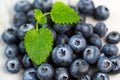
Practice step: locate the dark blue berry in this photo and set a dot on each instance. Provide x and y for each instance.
(100, 29)
(30, 16)
(79, 68)
(9, 36)
(86, 77)
(100, 76)
(13, 65)
(53, 33)
(23, 6)
(113, 37)
(11, 51)
(77, 43)
(91, 54)
(85, 7)
(62, 39)
(44, 5)
(61, 74)
(61, 28)
(104, 64)
(19, 19)
(22, 48)
(84, 29)
(95, 40)
(27, 63)
(101, 13)
(30, 74)
(82, 17)
(45, 71)
(110, 49)
(62, 55)
(23, 29)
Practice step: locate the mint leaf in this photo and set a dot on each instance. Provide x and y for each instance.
(41, 19)
(63, 14)
(38, 44)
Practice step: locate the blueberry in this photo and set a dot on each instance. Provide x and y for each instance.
(23, 29)
(79, 68)
(82, 17)
(104, 64)
(102, 55)
(77, 43)
(86, 6)
(44, 5)
(61, 28)
(30, 16)
(13, 65)
(27, 63)
(86, 77)
(23, 6)
(100, 29)
(11, 51)
(62, 39)
(110, 49)
(78, 33)
(61, 74)
(113, 37)
(62, 55)
(95, 40)
(91, 54)
(21, 47)
(115, 64)
(101, 13)
(30, 74)
(19, 19)
(9, 36)
(100, 76)
(45, 71)
(84, 29)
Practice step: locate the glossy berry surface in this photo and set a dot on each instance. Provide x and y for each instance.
(62, 55)
(113, 37)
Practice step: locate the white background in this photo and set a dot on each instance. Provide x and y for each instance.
(6, 16)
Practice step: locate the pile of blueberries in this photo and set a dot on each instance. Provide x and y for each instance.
(78, 52)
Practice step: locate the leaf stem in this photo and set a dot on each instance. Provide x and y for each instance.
(37, 26)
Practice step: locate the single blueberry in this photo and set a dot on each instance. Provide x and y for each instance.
(22, 48)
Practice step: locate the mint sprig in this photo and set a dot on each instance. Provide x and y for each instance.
(39, 42)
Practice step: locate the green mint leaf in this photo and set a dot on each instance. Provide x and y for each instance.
(63, 14)
(41, 19)
(38, 44)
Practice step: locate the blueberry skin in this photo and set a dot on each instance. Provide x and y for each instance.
(101, 13)
(104, 64)
(23, 6)
(19, 19)
(91, 54)
(86, 7)
(23, 29)
(82, 17)
(84, 29)
(22, 48)
(86, 77)
(62, 55)
(113, 37)
(13, 65)
(79, 68)
(95, 40)
(100, 29)
(44, 5)
(61, 74)
(61, 28)
(78, 33)
(62, 39)
(45, 71)
(115, 64)
(77, 43)
(9, 36)
(53, 33)
(11, 51)
(30, 74)
(30, 16)
(110, 49)
(26, 61)
(100, 76)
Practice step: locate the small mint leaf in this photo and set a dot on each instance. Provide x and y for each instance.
(63, 14)
(38, 44)
(39, 16)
